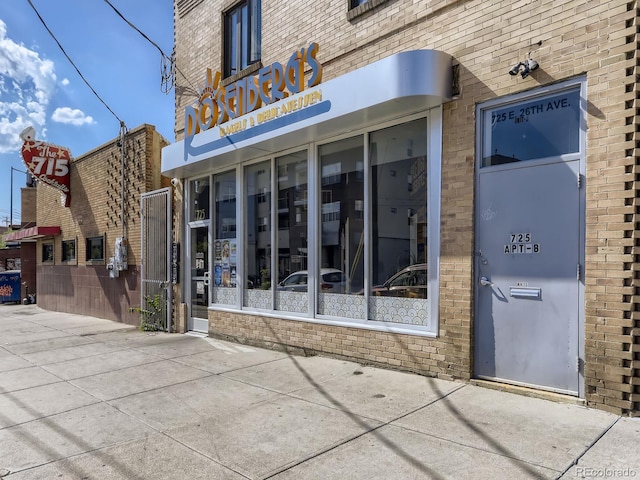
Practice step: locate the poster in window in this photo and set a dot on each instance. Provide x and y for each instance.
(225, 251)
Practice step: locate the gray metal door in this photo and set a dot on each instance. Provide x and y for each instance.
(156, 259)
(528, 272)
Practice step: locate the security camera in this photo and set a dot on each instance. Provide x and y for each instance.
(175, 181)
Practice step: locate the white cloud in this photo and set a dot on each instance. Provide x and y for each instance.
(72, 116)
(32, 82)
(64, 82)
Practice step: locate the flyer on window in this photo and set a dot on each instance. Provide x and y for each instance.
(225, 251)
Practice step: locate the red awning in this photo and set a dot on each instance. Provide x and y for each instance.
(31, 234)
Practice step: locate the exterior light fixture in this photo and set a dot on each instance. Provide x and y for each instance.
(516, 68)
(524, 68)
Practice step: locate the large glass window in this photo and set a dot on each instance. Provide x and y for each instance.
(257, 291)
(225, 247)
(399, 223)
(342, 229)
(242, 36)
(292, 217)
(350, 246)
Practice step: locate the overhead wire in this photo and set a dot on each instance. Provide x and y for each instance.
(168, 66)
(73, 64)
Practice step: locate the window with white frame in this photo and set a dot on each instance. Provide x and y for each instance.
(225, 247)
(291, 274)
(257, 180)
(368, 217)
(341, 229)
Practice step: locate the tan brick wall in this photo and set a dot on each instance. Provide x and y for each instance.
(597, 39)
(28, 204)
(95, 210)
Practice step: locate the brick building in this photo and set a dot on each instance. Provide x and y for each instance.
(486, 152)
(73, 244)
(22, 255)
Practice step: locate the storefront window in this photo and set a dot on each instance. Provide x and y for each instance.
(341, 276)
(225, 244)
(199, 199)
(257, 291)
(293, 207)
(350, 246)
(399, 223)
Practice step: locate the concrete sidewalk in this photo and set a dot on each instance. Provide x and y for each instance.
(85, 398)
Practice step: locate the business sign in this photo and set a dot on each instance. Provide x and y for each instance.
(47, 162)
(220, 104)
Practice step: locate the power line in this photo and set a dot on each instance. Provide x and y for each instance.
(71, 61)
(168, 67)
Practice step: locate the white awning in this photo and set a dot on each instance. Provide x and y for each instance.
(401, 84)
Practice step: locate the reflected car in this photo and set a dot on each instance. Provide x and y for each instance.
(410, 282)
(332, 281)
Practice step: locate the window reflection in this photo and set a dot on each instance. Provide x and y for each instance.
(293, 210)
(539, 128)
(342, 216)
(258, 236)
(225, 243)
(399, 210)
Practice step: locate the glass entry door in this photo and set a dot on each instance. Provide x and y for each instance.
(199, 279)
(199, 202)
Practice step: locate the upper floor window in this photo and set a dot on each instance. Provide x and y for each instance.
(242, 36)
(356, 8)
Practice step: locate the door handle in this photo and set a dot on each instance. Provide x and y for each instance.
(206, 279)
(485, 282)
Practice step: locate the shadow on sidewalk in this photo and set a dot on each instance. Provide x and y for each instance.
(402, 453)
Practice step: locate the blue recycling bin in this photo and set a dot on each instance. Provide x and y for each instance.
(10, 286)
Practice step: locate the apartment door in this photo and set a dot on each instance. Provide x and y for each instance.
(530, 242)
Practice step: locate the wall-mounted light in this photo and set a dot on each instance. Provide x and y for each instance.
(524, 68)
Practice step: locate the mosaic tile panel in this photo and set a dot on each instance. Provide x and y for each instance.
(225, 295)
(409, 311)
(342, 305)
(296, 302)
(257, 298)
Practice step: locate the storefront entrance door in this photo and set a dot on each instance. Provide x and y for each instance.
(528, 275)
(198, 320)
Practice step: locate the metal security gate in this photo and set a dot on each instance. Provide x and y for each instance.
(156, 289)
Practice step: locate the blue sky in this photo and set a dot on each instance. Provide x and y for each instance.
(39, 87)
